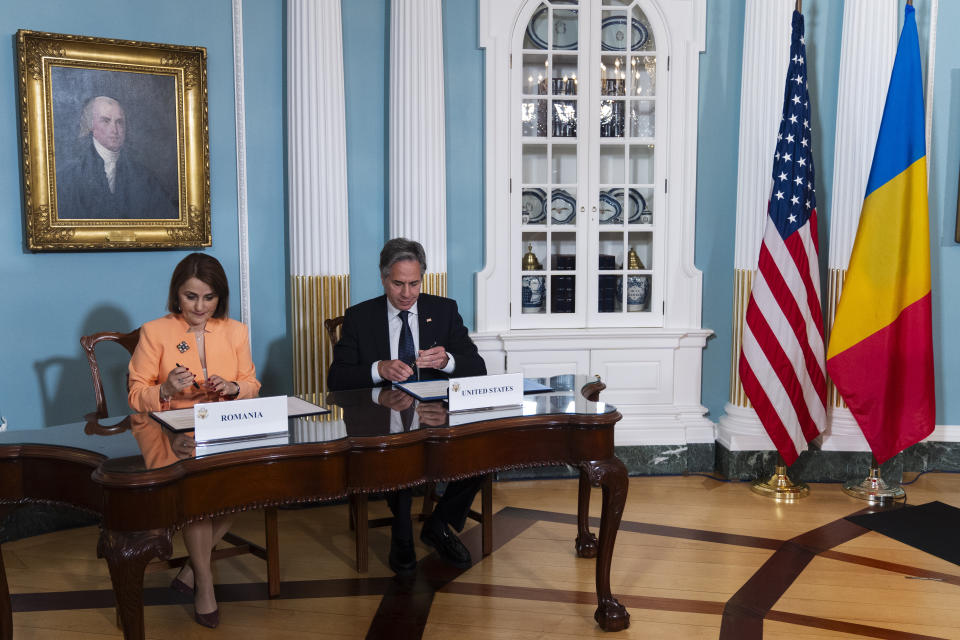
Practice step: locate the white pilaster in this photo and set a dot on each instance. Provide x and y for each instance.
(418, 180)
(317, 159)
(766, 48)
(866, 60)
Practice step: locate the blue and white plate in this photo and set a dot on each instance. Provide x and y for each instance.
(613, 34)
(534, 202)
(611, 211)
(636, 207)
(564, 29)
(563, 207)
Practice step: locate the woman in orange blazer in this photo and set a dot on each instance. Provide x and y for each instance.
(194, 354)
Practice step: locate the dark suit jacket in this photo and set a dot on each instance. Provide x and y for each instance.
(83, 191)
(365, 338)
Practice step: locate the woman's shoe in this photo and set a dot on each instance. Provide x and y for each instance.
(210, 620)
(179, 585)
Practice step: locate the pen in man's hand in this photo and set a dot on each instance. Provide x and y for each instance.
(195, 385)
(430, 347)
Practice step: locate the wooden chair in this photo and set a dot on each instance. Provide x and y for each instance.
(270, 552)
(360, 523)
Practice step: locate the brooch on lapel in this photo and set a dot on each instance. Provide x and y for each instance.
(183, 346)
(429, 320)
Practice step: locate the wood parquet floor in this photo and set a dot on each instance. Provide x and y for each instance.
(695, 558)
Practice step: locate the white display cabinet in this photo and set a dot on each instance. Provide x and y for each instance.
(591, 110)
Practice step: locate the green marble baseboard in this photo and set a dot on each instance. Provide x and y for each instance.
(649, 460)
(839, 466)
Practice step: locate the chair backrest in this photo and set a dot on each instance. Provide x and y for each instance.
(127, 340)
(332, 325)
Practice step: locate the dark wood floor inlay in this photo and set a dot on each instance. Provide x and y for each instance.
(864, 630)
(744, 613)
(406, 603)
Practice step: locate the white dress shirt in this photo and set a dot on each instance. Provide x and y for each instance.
(109, 164)
(394, 324)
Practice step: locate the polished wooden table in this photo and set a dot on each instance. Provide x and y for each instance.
(144, 488)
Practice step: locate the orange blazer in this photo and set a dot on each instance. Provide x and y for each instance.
(164, 342)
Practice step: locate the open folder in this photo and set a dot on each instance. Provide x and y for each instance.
(430, 390)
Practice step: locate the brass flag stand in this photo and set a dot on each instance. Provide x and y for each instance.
(779, 486)
(872, 488)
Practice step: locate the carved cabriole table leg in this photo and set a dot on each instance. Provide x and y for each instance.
(611, 476)
(127, 553)
(586, 543)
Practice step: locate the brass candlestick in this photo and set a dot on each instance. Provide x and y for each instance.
(530, 262)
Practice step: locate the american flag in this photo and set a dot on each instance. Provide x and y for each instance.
(782, 355)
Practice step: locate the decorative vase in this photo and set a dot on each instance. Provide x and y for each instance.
(638, 290)
(532, 293)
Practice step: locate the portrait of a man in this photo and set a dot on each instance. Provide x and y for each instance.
(115, 143)
(103, 173)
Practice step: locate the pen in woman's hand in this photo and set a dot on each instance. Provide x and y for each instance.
(195, 385)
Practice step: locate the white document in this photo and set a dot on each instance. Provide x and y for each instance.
(426, 390)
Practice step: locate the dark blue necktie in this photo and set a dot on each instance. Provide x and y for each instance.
(405, 351)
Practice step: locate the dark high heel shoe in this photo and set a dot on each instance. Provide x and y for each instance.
(179, 585)
(210, 620)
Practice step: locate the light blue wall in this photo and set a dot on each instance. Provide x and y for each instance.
(720, 75)
(716, 181)
(717, 143)
(366, 72)
(943, 159)
(54, 298)
(366, 30)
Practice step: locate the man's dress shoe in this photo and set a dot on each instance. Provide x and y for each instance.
(447, 544)
(403, 558)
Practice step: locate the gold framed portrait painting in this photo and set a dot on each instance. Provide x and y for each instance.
(114, 143)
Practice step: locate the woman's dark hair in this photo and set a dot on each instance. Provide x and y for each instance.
(206, 269)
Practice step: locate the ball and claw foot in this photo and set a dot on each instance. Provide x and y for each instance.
(611, 615)
(587, 546)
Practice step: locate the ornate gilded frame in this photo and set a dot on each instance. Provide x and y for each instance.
(106, 66)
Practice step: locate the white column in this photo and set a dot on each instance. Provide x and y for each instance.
(866, 61)
(317, 159)
(418, 165)
(766, 49)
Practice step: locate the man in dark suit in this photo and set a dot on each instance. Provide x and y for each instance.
(382, 341)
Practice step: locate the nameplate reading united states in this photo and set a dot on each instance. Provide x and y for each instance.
(239, 419)
(481, 392)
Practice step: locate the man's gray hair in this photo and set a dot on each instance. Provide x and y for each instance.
(86, 116)
(398, 250)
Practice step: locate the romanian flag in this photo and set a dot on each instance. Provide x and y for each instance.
(881, 348)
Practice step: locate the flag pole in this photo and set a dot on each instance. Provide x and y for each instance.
(873, 489)
(779, 486)
(798, 6)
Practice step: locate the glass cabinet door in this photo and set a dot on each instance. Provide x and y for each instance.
(551, 244)
(586, 238)
(624, 237)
